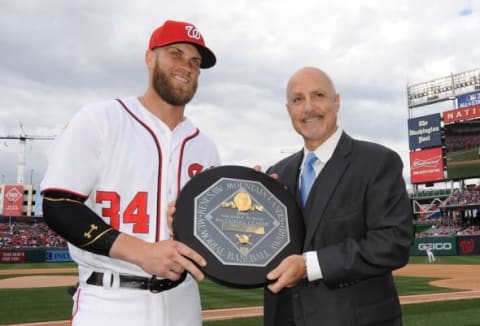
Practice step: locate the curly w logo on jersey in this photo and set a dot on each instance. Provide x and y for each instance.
(194, 169)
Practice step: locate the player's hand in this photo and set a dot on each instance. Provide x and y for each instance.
(170, 258)
(167, 258)
(170, 215)
(286, 275)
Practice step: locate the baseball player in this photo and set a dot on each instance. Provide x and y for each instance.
(112, 173)
(430, 255)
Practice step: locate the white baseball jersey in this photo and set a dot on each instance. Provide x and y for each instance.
(129, 165)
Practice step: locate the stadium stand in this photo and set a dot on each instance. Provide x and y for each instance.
(448, 212)
(457, 213)
(29, 235)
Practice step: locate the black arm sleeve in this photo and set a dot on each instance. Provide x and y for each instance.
(66, 214)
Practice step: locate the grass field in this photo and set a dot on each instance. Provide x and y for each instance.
(447, 313)
(55, 304)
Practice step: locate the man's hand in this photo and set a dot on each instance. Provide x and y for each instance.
(258, 168)
(170, 258)
(170, 214)
(167, 258)
(290, 271)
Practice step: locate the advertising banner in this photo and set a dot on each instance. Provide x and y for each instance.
(11, 256)
(425, 131)
(466, 113)
(441, 246)
(468, 100)
(57, 256)
(13, 200)
(468, 245)
(426, 165)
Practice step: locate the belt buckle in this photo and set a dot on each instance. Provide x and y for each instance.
(154, 285)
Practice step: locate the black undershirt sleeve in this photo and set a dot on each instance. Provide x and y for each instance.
(67, 215)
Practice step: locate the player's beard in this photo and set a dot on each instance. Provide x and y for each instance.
(171, 94)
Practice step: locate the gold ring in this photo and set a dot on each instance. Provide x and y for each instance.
(177, 268)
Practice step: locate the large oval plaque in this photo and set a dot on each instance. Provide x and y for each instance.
(241, 221)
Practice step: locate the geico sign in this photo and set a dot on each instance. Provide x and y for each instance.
(435, 246)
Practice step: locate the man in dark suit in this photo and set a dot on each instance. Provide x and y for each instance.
(357, 215)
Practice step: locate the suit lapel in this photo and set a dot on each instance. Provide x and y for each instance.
(290, 177)
(325, 185)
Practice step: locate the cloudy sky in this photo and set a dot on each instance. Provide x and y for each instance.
(56, 56)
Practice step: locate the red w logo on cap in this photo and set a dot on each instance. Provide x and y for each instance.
(192, 32)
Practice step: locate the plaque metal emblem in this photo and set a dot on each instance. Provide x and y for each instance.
(243, 222)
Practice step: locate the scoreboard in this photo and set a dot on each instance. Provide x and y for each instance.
(446, 145)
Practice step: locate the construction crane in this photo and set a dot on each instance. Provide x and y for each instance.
(21, 151)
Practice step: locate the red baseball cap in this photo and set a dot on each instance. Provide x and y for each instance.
(181, 32)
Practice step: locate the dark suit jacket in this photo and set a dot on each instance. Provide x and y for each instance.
(358, 219)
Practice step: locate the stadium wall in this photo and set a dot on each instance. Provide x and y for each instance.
(441, 246)
(447, 246)
(34, 255)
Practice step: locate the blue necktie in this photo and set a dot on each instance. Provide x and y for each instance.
(308, 176)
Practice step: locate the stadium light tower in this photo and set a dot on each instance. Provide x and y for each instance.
(21, 151)
(444, 88)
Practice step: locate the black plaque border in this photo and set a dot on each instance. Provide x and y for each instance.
(237, 276)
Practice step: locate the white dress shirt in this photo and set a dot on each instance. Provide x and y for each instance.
(324, 152)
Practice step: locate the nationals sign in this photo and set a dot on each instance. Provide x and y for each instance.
(466, 113)
(13, 200)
